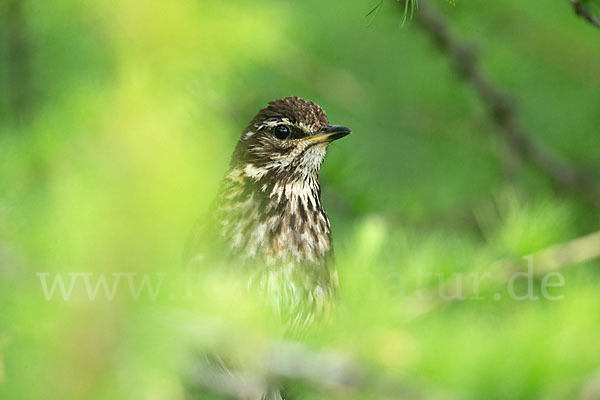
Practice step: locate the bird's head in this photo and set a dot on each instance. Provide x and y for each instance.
(287, 139)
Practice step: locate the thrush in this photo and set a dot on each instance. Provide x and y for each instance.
(268, 215)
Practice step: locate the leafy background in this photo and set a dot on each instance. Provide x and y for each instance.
(125, 116)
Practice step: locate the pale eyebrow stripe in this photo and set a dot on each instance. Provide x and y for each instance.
(272, 123)
(303, 127)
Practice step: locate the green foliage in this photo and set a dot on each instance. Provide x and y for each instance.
(409, 10)
(136, 109)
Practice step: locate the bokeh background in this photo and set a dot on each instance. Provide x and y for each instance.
(117, 121)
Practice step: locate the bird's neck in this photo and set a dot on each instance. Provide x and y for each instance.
(280, 230)
(276, 218)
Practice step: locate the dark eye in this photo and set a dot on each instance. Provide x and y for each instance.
(282, 132)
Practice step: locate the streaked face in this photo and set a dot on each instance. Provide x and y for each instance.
(288, 137)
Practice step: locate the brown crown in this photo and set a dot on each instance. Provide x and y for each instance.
(296, 109)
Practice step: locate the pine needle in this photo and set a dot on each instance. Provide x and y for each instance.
(374, 11)
(409, 8)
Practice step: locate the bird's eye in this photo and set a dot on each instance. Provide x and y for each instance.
(282, 132)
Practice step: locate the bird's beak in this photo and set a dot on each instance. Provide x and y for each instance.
(329, 133)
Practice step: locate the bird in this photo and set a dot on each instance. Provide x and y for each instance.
(268, 217)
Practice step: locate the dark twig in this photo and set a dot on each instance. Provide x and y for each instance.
(583, 11)
(563, 174)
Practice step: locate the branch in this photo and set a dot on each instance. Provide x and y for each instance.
(222, 382)
(4, 340)
(18, 61)
(552, 258)
(564, 175)
(295, 362)
(584, 12)
(560, 255)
